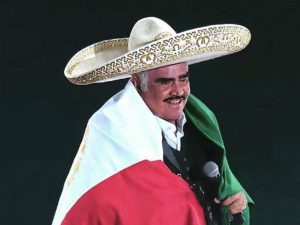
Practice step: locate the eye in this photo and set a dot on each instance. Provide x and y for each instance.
(185, 78)
(165, 82)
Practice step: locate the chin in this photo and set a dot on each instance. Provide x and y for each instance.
(172, 118)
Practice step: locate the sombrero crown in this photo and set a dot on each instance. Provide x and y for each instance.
(153, 43)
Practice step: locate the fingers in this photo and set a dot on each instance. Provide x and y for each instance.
(236, 202)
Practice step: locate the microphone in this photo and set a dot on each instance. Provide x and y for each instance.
(211, 171)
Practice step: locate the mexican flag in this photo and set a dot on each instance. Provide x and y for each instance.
(118, 176)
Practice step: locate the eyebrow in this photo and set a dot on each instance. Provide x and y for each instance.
(165, 79)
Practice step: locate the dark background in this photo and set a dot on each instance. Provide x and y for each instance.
(254, 93)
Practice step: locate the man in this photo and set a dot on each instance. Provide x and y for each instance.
(141, 157)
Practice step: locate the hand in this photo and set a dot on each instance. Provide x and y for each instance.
(236, 203)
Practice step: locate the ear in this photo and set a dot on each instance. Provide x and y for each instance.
(136, 82)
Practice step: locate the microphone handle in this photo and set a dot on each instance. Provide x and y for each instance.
(237, 218)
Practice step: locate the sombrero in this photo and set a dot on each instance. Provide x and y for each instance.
(153, 43)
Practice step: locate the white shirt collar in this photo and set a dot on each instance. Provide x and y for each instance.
(172, 133)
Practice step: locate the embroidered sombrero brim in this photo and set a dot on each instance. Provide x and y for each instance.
(110, 60)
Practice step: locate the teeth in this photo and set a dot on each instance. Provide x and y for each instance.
(175, 101)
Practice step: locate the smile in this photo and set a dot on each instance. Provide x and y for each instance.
(174, 101)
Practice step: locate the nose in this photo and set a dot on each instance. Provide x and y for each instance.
(177, 89)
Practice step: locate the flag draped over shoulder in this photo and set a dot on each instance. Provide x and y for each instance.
(206, 123)
(118, 176)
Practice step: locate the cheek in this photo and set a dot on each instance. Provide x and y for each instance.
(157, 99)
(187, 89)
(159, 94)
(153, 98)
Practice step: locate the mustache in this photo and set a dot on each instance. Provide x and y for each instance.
(175, 97)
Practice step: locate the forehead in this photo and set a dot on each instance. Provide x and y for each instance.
(169, 71)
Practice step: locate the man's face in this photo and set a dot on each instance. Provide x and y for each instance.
(167, 92)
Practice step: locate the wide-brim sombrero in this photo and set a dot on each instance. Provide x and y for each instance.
(150, 48)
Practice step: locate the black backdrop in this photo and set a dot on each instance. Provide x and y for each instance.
(254, 93)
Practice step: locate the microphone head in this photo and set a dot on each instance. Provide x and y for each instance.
(211, 170)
